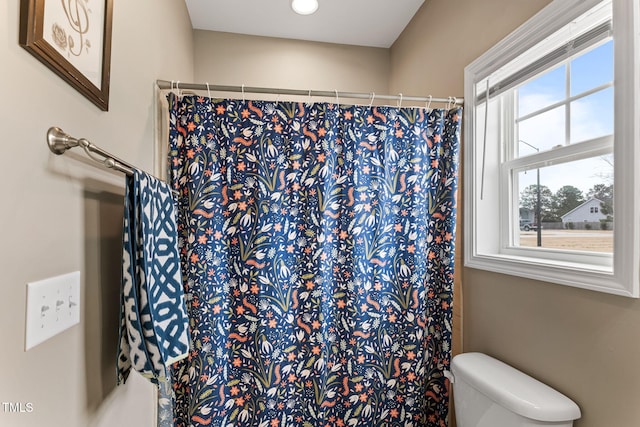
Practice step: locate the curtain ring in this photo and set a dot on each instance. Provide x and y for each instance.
(455, 101)
(172, 82)
(449, 99)
(208, 90)
(373, 96)
(337, 99)
(309, 102)
(178, 87)
(428, 103)
(243, 93)
(400, 101)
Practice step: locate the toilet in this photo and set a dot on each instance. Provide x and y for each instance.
(490, 393)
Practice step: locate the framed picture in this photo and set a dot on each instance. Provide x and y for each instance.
(72, 38)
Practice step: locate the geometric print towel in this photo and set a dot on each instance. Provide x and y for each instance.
(154, 327)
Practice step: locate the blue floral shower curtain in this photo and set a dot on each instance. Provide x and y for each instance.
(317, 244)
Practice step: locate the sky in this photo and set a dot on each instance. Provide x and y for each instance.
(591, 117)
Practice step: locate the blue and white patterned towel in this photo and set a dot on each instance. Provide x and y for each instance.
(154, 327)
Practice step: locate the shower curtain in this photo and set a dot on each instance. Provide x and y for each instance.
(317, 246)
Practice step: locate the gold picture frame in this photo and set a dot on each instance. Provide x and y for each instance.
(73, 39)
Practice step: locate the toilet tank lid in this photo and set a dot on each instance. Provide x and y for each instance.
(513, 389)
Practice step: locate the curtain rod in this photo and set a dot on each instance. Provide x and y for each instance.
(59, 142)
(165, 84)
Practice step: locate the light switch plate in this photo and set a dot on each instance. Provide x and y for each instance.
(53, 305)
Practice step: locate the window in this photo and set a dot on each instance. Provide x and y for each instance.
(551, 143)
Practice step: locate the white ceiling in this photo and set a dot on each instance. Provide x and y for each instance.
(376, 23)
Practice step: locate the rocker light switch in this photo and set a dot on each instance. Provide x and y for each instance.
(53, 305)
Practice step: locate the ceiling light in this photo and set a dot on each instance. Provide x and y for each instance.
(304, 7)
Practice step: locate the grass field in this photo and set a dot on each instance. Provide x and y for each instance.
(584, 240)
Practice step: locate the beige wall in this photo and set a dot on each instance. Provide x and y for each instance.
(583, 343)
(232, 59)
(60, 214)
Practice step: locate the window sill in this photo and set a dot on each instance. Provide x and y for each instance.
(584, 276)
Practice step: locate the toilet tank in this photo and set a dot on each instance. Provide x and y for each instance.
(490, 393)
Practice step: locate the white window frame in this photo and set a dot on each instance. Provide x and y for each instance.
(620, 273)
